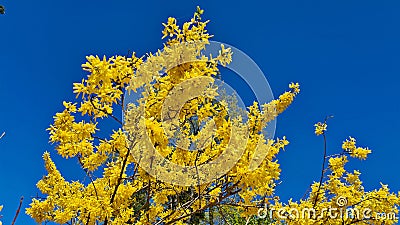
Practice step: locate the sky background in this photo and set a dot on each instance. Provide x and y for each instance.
(345, 55)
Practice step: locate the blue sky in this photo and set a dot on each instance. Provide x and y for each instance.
(345, 54)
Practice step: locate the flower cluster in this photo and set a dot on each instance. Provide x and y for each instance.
(320, 128)
(339, 197)
(357, 152)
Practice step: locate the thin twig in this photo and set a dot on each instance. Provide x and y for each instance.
(18, 210)
(323, 165)
(104, 111)
(211, 204)
(90, 177)
(120, 177)
(322, 172)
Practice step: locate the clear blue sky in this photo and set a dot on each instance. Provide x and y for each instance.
(345, 54)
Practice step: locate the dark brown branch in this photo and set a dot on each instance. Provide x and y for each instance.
(322, 173)
(215, 203)
(104, 111)
(323, 165)
(90, 177)
(120, 177)
(18, 210)
(88, 219)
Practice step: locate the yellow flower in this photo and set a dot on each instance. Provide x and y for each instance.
(295, 87)
(170, 28)
(360, 153)
(337, 165)
(349, 146)
(320, 128)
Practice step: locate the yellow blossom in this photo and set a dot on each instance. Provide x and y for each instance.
(320, 128)
(349, 146)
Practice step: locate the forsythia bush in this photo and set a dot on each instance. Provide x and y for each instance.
(118, 188)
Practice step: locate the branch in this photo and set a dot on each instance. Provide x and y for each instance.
(18, 210)
(120, 177)
(211, 204)
(104, 111)
(322, 173)
(90, 177)
(323, 166)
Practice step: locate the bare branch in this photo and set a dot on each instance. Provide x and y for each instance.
(18, 210)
